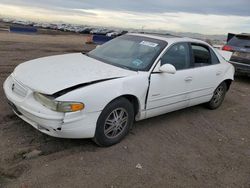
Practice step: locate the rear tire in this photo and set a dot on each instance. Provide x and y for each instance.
(218, 97)
(114, 122)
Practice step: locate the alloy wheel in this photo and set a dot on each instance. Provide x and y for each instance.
(115, 123)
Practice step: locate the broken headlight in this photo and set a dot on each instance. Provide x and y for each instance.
(59, 106)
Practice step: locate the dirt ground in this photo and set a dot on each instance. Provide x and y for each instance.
(194, 147)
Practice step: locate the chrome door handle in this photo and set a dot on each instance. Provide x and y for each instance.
(218, 73)
(188, 79)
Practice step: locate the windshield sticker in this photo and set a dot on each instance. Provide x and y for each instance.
(150, 44)
(137, 62)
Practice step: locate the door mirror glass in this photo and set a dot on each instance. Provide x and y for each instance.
(168, 68)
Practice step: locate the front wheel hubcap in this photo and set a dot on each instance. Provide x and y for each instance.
(115, 123)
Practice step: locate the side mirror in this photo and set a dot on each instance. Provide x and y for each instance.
(167, 68)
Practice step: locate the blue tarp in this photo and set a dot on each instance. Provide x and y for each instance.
(23, 29)
(100, 39)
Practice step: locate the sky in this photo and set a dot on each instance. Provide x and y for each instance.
(196, 16)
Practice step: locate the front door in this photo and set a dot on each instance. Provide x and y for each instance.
(169, 92)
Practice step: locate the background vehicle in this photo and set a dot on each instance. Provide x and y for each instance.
(101, 31)
(239, 44)
(86, 30)
(116, 33)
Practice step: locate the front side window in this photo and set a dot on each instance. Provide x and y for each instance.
(131, 52)
(178, 56)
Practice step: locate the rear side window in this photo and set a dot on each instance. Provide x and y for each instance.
(214, 57)
(240, 41)
(201, 55)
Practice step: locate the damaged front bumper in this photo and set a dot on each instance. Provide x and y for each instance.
(57, 124)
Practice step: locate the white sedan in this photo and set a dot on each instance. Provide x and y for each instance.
(133, 77)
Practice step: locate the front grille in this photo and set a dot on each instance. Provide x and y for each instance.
(18, 88)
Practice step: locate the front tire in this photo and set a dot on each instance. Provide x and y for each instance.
(218, 97)
(114, 122)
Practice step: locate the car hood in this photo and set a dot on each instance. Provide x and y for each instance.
(52, 74)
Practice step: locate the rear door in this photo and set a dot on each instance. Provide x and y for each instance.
(207, 72)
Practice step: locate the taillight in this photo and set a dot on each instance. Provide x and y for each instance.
(227, 48)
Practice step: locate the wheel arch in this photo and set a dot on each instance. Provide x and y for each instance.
(132, 99)
(228, 83)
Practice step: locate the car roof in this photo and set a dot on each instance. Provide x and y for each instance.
(244, 34)
(169, 38)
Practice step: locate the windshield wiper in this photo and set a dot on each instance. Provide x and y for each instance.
(123, 66)
(85, 53)
(105, 61)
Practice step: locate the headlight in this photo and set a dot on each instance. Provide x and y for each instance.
(59, 106)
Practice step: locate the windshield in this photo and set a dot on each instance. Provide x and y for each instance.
(130, 52)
